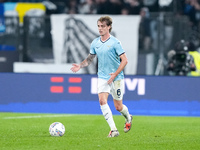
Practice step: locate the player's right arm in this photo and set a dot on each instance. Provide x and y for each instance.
(85, 63)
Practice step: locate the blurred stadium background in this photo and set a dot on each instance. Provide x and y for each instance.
(40, 39)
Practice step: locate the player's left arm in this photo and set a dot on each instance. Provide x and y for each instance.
(123, 63)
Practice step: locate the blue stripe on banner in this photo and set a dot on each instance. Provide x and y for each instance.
(142, 107)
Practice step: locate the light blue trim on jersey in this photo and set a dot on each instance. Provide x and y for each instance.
(108, 54)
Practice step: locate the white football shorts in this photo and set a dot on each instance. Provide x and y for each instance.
(116, 88)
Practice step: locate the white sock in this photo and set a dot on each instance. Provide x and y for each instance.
(108, 116)
(126, 114)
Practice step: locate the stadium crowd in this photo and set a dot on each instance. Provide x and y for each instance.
(190, 8)
(187, 7)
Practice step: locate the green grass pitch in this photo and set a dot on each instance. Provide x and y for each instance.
(20, 131)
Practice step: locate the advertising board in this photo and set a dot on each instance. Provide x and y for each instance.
(77, 93)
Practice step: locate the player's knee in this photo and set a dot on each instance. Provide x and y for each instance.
(102, 102)
(119, 108)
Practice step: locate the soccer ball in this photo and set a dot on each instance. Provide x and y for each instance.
(57, 129)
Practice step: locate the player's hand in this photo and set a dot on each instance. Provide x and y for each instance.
(75, 67)
(112, 77)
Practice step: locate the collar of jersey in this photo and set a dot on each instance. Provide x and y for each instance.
(105, 40)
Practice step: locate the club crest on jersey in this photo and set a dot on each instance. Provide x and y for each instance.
(108, 46)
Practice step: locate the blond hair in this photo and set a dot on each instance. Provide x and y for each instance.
(108, 21)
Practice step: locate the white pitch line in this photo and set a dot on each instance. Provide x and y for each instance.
(37, 116)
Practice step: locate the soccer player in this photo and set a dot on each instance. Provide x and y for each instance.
(111, 62)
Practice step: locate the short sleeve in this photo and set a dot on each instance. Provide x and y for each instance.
(118, 48)
(92, 49)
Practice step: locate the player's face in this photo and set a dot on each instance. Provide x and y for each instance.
(103, 28)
